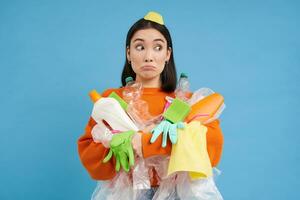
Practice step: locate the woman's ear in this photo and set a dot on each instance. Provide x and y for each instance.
(127, 53)
(169, 52)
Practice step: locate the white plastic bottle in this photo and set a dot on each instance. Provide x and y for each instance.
(109, 110)
(183, 87)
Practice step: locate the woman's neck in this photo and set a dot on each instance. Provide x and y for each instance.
(150, 83)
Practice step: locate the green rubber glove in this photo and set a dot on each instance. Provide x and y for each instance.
(121, 148)
(168, 129)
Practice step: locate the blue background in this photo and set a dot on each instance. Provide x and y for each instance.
(52, 53)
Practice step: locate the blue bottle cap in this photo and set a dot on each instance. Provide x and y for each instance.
(128, 79)
(183, 75)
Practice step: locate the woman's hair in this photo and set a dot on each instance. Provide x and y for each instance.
(168, 76)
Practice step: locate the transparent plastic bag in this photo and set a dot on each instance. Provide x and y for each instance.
(179, 186)
(201, 189)
(160, 164)
(101, 134)
(140, 180)
(167, 189)
(125, 186)
(114, 189)
(140, 175)
(174, 187)
(199, 94)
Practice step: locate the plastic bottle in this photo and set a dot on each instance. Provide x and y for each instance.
(137, 108)
(132, 90)
(183, 88)
(109, 110)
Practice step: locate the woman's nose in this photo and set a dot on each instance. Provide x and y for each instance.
(148, 60)
(148, 56)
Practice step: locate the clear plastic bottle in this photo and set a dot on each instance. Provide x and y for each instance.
(183, 88)
(137, 108)
(132, 90)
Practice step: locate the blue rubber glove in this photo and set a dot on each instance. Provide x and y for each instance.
(167, 128)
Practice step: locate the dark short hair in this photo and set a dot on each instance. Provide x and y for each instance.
(168, 76)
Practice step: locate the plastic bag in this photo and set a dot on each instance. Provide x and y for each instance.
(201, 189)
(179, 186)
(114, 189)
(167, 189)
(199, 94)
(125, 186)
(160, 164)
(101, 134)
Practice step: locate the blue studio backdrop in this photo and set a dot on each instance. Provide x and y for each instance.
(52, 53)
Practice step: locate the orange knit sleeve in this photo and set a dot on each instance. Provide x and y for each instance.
(91, 154)
(214, 139)
(153, 149)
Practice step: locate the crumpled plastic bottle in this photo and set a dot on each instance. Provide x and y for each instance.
(183, 87)
(132, 90)
(137, 108)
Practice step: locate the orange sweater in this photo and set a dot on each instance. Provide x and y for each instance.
(92, 154)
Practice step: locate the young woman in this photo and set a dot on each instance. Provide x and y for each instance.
(149, 60)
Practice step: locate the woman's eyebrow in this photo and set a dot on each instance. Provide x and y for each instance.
(159, 40)
(139, 39)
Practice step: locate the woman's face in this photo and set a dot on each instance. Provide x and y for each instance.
(148, 53)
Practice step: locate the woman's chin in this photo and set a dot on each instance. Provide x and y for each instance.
(148, 75)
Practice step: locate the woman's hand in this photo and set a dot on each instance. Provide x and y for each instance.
(137, 143)
(149, 128)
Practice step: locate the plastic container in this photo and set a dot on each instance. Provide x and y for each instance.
(109, 110)
(183, 88)
(132, 91)
(137, 108)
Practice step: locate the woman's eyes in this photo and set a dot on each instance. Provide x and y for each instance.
(141, 47)
(158, 47)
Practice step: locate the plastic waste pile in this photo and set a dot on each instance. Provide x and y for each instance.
(112, 118)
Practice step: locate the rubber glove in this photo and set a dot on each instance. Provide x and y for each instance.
(173, 117)
(121, 149)
(167, 128)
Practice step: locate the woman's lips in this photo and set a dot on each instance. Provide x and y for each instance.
(148, 68)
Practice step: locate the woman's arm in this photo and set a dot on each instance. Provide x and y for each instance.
(91, 155)
(214, 139)
(153, 149)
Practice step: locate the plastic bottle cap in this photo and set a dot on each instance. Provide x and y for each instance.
(183, 75)
(128, 79)
(95, 96)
